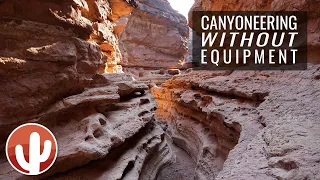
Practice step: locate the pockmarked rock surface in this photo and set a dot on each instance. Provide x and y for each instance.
(245, 124)
(54, 59)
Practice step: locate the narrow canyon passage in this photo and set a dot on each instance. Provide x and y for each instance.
(204, 134)
(182, 168)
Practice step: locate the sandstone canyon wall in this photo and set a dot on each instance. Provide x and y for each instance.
(53, 59)
(153, 38)
(245, 124)
(248, 124)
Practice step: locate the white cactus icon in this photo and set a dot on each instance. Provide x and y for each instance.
(35, 158)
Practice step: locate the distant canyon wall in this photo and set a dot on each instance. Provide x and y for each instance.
(153, 39)
(155, 36)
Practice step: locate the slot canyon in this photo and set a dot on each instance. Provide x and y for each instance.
(113, 81)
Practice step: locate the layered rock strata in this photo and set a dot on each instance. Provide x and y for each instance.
(52, 64)
(152, 38)
(245, 124)
(86, 19)
(150, 29)
(138, 158)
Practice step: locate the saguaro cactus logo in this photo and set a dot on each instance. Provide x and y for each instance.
(31, 149)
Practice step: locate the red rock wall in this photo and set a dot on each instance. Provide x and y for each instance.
(247, 124)
(151, 29)
(153, 38)
(53, 55)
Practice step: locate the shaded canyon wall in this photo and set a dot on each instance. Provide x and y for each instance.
(248, 124)
(53, 59)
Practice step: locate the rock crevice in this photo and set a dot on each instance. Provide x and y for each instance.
(254, 127)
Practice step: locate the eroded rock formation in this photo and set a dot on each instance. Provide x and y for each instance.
(53, 56)
(152, 39)
(151, 29)
(245, 124)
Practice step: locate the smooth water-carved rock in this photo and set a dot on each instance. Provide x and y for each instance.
(245, 124)
(52, 66)
(138, 158)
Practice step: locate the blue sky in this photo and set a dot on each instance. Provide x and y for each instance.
(183, 6)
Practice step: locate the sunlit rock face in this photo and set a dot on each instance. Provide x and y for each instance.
(152, 38)
(50, 53)
(86, 19)
(151, 29)
(53, 59)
